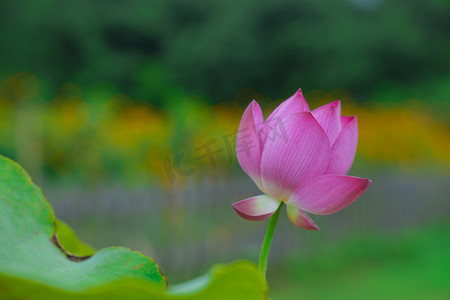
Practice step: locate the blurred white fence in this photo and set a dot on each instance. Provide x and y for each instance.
(187, 229)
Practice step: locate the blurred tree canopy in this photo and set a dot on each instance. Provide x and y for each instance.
(148, 49)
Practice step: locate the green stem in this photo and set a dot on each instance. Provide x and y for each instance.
(265, 248)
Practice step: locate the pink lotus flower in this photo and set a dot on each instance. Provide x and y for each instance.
(299, 157)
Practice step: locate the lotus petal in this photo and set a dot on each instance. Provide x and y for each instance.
(344, 149)
(256, 208)
(300, 219)
(248, 148)
(328, 194)
(294, 104)
(296, 151)
(329, 118)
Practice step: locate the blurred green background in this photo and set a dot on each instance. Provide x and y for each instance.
(112, 106)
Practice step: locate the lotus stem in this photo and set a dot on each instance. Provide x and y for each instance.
(267, 242)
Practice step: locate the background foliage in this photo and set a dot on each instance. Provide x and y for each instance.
(144, 48)
(100, 100)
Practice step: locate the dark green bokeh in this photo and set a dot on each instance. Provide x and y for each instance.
(146, 48)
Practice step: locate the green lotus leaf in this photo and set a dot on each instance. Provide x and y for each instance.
(31, 249)
(42, 258)
(239, 280)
